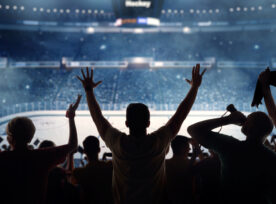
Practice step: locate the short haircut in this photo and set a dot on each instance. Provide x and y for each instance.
(21, 130)
(46, 143)
(137, 115)
(91, 145)
(178, 143)
(262, 124)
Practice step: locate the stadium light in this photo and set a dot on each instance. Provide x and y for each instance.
(41, 9)
(217, 10)
(273, 6)
(138, 30)
(169, 10)
(252, 8)
(138, 60)
(89, 11)
(22, 8)
(158, 64)
(14, 7)
(238, 8)
(191, 10)
(77, 10)
(210, 11)
(102, 11)
(48, 10)
(245, 9)
(67, 10)
(83, 11)
(118, 22)
(153, 21)
(90, 30)
(34, 9)
(61, 11)
(54, 10)
(163, 11)
(175, 11)
(204, 11)
(96, 11)
(198, 11)
(186, 30)
(181, 11)
(231, 10)
(7, 7)
(0, 6)
(260, 8)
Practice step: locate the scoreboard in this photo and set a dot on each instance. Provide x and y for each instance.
(137, 8)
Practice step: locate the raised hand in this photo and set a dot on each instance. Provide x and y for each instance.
(196, 76)
(87, 81)
(264, 77)
(70, 113)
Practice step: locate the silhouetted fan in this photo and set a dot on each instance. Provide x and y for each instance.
(258, 95)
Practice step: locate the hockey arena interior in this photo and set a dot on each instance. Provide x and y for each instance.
(142, 56)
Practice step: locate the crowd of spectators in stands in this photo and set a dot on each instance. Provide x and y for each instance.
(234, 171)
(47, 89)
(52, 46)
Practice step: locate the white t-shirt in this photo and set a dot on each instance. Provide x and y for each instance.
(138, 166)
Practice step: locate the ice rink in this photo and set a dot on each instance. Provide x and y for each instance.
(53, 125)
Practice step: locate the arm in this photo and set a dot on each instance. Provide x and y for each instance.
(95, 111)
(70, 114)
(202, 131)
(70, 162)
(185, 106)
(57, 155)
(264, 78)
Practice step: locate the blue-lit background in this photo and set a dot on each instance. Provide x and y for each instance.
(226, 32)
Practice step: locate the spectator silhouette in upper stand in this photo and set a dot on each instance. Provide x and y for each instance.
(139, 158)
(24, 172)
(264, 79)
(247, 167)
(179, 171)
(95, 179)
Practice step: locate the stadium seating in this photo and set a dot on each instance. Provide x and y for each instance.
(162, 89)
(45, 46)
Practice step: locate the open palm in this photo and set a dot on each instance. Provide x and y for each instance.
(87, 81)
